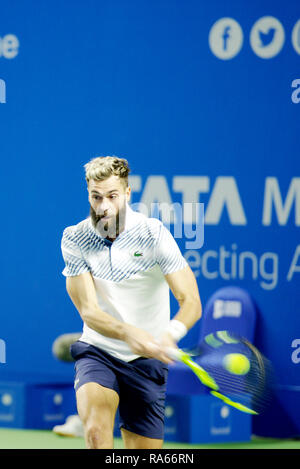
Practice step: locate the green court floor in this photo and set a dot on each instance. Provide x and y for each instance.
(44, 439)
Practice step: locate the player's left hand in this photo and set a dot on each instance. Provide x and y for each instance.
(166, 341)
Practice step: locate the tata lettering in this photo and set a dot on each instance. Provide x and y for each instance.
(225, 195)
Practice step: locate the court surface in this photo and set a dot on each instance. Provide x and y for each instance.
(45, 439)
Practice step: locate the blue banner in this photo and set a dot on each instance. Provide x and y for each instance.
(203, 99)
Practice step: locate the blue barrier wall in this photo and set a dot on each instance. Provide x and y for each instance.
(203, 100)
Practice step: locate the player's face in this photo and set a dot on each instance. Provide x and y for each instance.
(108, 200)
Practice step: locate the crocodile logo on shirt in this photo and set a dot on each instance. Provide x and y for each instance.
(138, 254)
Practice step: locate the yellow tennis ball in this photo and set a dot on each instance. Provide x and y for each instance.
(236, 363)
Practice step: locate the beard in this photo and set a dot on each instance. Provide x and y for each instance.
(112, 228)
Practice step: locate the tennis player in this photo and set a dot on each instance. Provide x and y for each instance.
(120, 266)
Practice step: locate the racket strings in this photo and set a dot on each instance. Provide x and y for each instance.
(234, 384)
(250, 387)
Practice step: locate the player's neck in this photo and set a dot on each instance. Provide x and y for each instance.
(115, 236)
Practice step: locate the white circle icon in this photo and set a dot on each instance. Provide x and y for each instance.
(267, 37)
(6, 399)
(58, 399)
(224, 412)
(296, 37)
(169, 411)
(225, 38)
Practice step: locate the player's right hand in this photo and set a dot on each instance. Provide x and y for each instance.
(142, 343)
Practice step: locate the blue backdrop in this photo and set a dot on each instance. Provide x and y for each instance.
(202, 98)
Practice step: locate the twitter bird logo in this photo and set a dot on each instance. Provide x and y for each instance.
(266, 38)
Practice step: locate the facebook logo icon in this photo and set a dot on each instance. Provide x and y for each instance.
(225, 38)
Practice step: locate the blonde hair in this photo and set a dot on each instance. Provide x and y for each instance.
(102, 167)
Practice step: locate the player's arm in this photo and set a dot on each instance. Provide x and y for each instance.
(83, 295)
(82, 292)
(184, 287)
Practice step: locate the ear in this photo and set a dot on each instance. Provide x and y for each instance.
(128, 193)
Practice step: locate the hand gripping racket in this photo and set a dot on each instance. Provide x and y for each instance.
(232, 368)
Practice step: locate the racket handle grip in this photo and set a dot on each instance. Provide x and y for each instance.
(174, 353)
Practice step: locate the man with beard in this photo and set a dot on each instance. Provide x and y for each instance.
(120, 266)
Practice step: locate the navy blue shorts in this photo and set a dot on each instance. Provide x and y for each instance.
(141, 385)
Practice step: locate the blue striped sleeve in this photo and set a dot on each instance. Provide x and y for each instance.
(75, 263)
(168, 255)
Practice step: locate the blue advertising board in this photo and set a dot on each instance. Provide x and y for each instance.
(203, 99)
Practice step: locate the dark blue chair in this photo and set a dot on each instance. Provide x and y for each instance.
(192, 414)
(229, 308)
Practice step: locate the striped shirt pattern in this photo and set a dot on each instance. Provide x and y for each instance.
(128, 275)
(139, 249)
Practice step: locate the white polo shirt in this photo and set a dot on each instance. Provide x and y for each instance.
(128, 275)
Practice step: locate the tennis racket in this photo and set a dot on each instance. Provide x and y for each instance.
(232, 368)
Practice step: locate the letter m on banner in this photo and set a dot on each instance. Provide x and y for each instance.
(2, 351)
(273, 199)
(2, 91)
